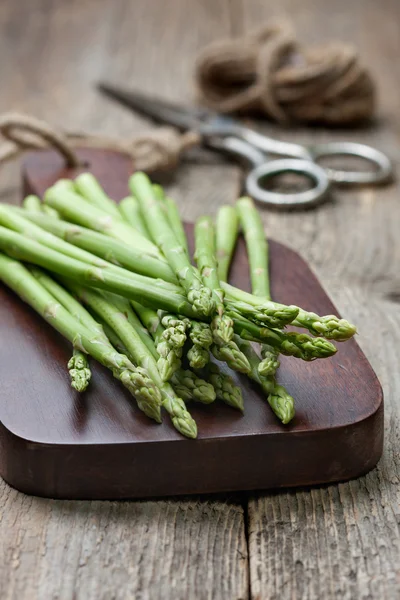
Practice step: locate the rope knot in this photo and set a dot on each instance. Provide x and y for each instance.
(269, 71)
(161, 149)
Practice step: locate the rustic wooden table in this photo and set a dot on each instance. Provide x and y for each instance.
(335, 541)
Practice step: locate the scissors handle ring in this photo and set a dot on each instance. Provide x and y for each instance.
(383, 168)
(317, 194)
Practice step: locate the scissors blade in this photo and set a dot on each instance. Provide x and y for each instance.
(158, 110)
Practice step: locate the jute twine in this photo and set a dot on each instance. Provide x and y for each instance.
(159, 150)
(269, 71)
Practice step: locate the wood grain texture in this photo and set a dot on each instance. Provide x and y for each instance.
(115, 551)
(340, 541)
(343, 541)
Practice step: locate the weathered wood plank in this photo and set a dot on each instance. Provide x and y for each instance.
(118, 550)
(179, 549)
(336, 541)
(343, 541)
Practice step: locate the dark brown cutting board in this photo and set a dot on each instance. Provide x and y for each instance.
(57, 443)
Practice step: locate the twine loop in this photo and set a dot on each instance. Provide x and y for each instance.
(158, 150)
(24, 132)
(269, 71)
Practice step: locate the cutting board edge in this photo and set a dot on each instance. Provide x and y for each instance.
(40, 461)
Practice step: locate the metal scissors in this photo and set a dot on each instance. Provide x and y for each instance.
(227, 135)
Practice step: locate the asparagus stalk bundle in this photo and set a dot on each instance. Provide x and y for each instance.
(29, 289)
(118, 253)
(222, 324)
(292, 344)
(158, 226)
(76, 209)
(93, 243)
(330, 326)
(97, 276)
(186, 383)
(140, 355)
(147, 309)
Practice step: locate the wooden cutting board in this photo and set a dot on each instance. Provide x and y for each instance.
(57, 443)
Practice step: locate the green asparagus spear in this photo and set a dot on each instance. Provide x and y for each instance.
(130, 211)
(257, 247)
(197, 356)
(150, 320)
(17, 222)
(189, 386)
(90, 189)
(29, 289)
(94, 243)
(79, 370)
(226, 236)
(158, 192)
(200, 334)
(270, 313)
(50, 212)
(168, 350)
(329, 326)
(175, 329)
(222, 324)
(76, 209)
(201, 337)
(171, 212)
(225, 388)
(127, 310)
(113, 338)
(32, 203)
(198, 295)
(176, 223)
(278, 398)
(25, 249)
(140, 354)
(232, 355)
(291, 343)
(270, 361)
(185, 383)
(70, 303)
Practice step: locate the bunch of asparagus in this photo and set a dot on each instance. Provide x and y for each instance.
(117, 281)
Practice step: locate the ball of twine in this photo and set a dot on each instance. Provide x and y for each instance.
(270, 72)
